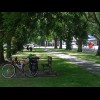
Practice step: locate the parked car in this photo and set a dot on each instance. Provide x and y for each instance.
(30, 45)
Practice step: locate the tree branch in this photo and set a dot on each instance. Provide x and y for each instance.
(95, 18)
(98, 38)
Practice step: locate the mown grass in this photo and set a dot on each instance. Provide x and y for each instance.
(91, 56)
(69, 75)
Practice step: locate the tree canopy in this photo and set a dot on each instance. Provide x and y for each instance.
(19, 28)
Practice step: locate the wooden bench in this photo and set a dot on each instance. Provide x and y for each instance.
(48, 65)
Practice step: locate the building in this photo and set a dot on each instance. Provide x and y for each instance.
(92, 39)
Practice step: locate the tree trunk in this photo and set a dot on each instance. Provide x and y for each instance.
(1, 53)
(98, 51)
(45, 44)
(68, 44)
(60, 45)
(1, 49)
(79, 45)
(55, 45)
(8, 55)
(39, 44)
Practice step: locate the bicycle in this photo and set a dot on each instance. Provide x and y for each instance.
(10, 69)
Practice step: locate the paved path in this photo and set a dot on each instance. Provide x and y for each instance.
(89, 65)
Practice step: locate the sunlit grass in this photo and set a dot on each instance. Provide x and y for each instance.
(84, 55)
(69, 75)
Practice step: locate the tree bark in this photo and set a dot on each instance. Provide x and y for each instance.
(60, 44)
(55, 45)
(1, 49)
(1, 53)
(98, 51)
(79, 45)
(68, 44)
(8, 55)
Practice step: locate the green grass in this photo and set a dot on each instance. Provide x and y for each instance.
(84, 55)
(69, 75)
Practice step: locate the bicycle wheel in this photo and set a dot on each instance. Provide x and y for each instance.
(8, 71)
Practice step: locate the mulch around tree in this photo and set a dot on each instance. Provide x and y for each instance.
(40, 73)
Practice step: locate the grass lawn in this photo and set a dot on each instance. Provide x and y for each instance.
(69, 75)
(84, 55)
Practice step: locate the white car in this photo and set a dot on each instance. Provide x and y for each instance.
(30, 45)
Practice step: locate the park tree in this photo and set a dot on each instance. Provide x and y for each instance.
(64, 28)
(80, 28)
(94, 19)
(57, 24)
(68, 29)
(10, 22)
(59, 31)
(1, 47)
(17, 25)
(23, 31)
(20, 38)
(72, 24)
(1, 39)
(56, 27)
(47, 25)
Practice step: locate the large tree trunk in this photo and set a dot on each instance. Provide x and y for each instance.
(68, 44)
(98, 51)
(1, 49)
(79, 45)
(55, 45)
(8, 55)
(1, 53)
(60, 45)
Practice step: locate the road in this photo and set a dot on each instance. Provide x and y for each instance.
(85, 48)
